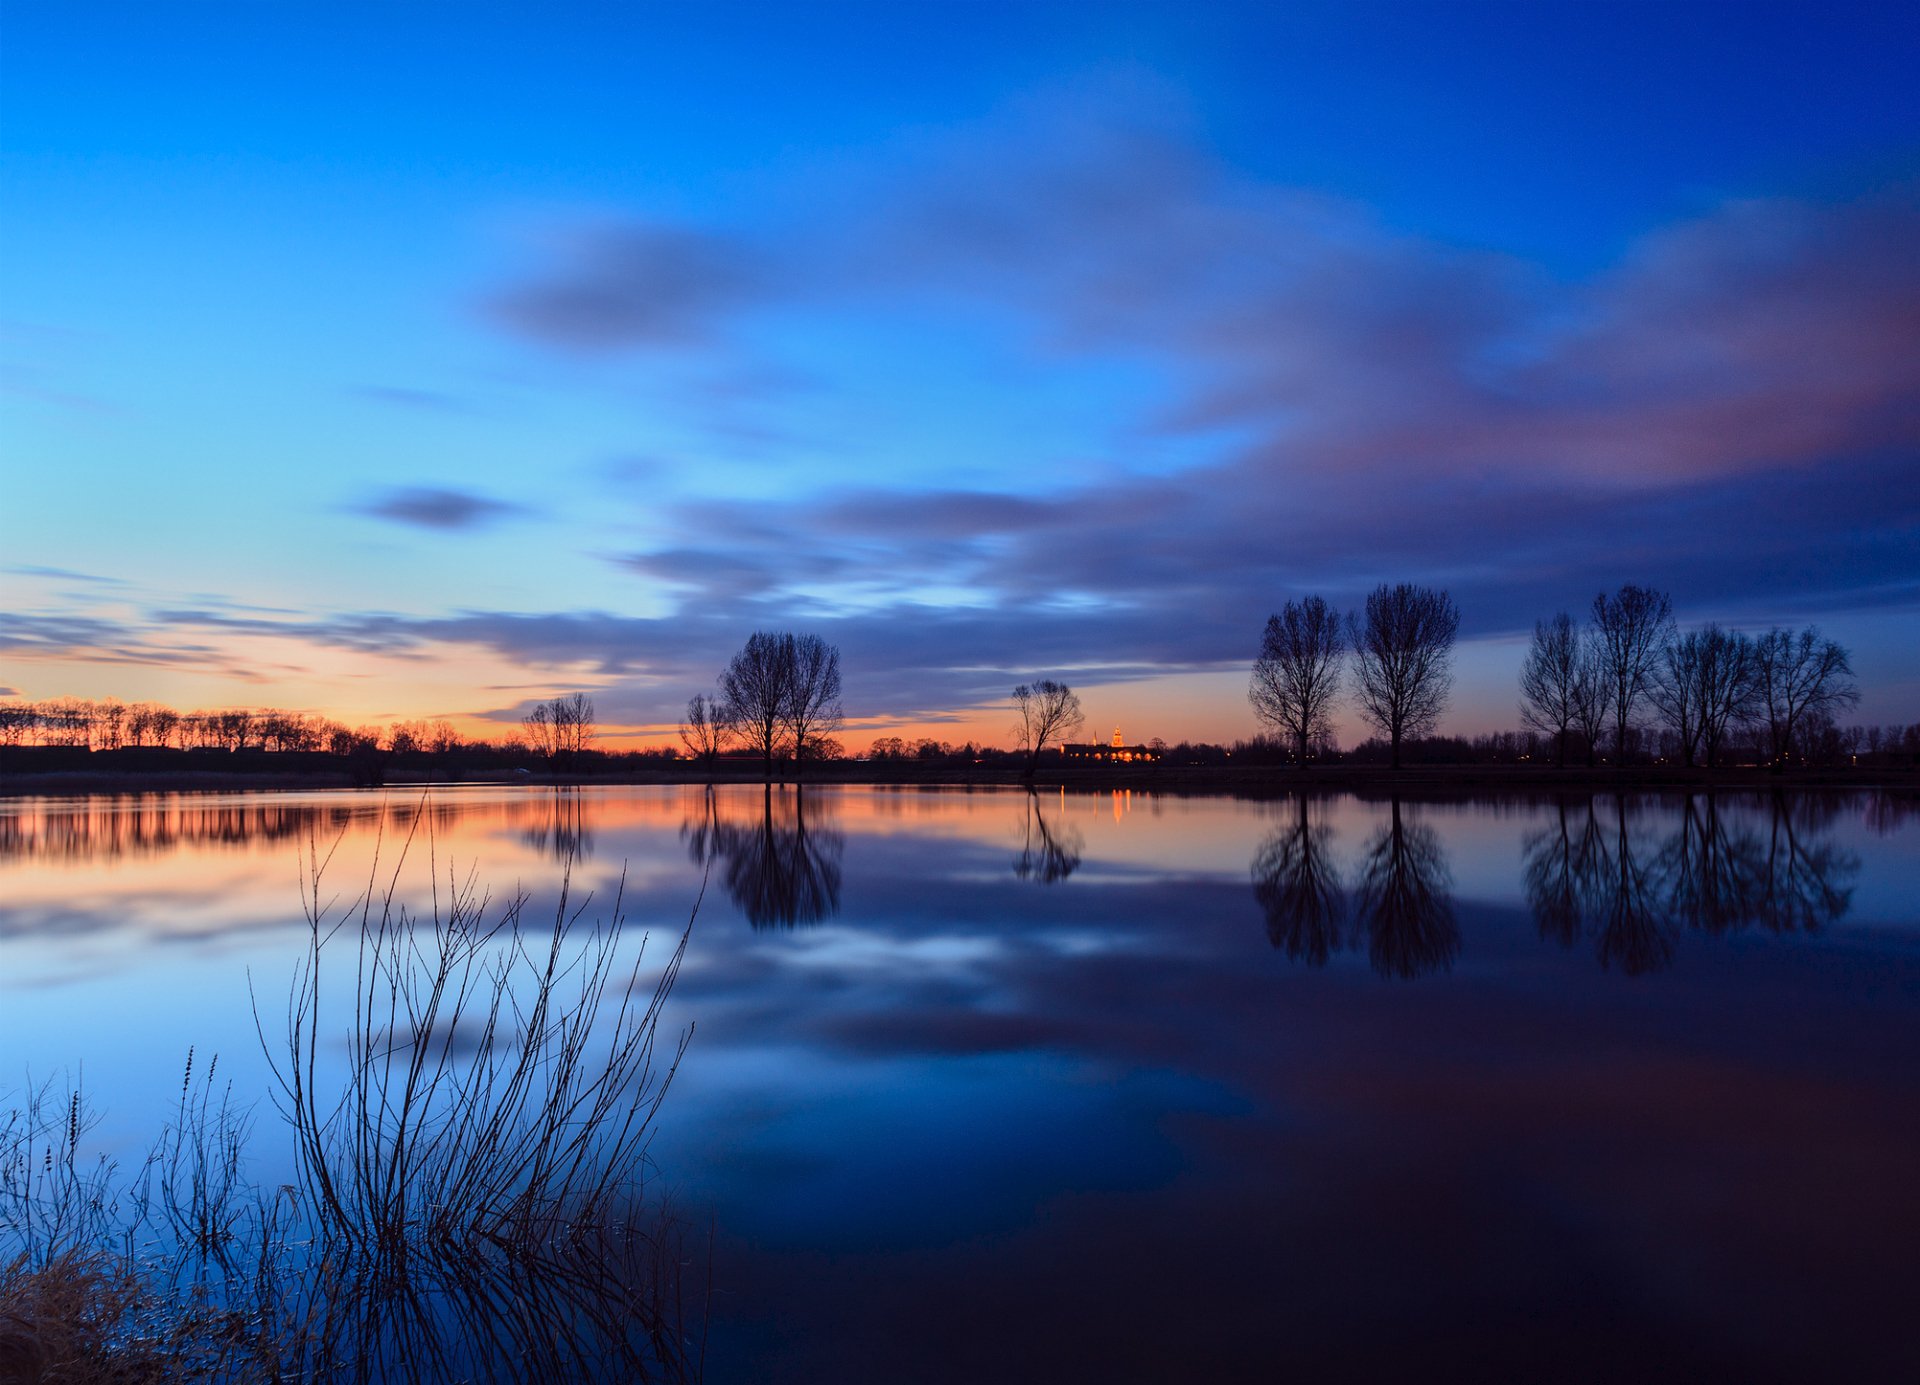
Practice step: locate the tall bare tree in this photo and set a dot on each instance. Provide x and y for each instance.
(1550, 682)
(707, 728)
(1728, 669)
(812, 712)
(1049, 712)
(1704, 682)
(1297, 676)
(1402, 659)
(755, 685)
(1799, 680)
(1592, 695)
(1633, 628)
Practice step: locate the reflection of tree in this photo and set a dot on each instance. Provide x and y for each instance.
(1586, 877)
(1046, 854)
(560, 830)
(1401, 900)
(779, 871)
(1298, 885)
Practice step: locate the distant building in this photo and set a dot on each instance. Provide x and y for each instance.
(1117, 753)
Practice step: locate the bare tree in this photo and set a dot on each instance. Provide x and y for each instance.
(1592, 695)
(1799, 680)
(1297, 676)
(1550, 682)
(1633, 629)
(812, 712)
(1049, 712)
(16, 720)
(755, 686)
(1728, 671)
(1402, 656)
(707, 729)
(561, 727)
(1705, 681)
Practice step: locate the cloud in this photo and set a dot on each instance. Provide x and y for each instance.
(640, 284)
(61, 574)
(1730, 409)
(436, 507)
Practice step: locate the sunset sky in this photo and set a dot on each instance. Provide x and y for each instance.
(400, 361)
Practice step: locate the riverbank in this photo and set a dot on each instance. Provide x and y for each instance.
(1244, 781)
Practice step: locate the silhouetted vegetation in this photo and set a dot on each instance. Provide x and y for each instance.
(1402, 650)
(1049, 712)
(1296, 679)
(780, 696)
(470, 1204)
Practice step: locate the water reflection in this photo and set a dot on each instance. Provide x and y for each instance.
(1598, 873)
(559, 827)
(1401, 900)
(96, 829)
(779, 870)
(1298, 886)
(1047, 854)
(1402, 911)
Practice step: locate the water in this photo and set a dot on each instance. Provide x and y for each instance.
(990, 1086)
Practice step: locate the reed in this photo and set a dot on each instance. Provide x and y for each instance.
(470, 1196)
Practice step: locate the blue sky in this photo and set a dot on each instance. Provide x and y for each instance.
(422, 363)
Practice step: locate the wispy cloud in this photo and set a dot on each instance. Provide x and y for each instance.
(436, 507)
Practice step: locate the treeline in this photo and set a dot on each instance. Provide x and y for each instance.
(108, 724)
(1623, 685)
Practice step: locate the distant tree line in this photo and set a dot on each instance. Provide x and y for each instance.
(556, 728)
(1625, 683)
(1629, 679)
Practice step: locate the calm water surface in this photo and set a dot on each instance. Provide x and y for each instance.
(994, 1086)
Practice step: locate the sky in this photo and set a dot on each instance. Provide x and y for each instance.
(414, 361)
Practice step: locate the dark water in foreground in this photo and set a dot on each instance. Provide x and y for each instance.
(987, 1086)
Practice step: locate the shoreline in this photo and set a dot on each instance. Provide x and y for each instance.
(1233, 781)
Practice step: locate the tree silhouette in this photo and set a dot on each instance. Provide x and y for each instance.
(1550, 682)
(1631, 631)
(1049, 712)
(707, 729)
(1705, 682)
(1297, 676)
(1402, 651)
(1799, 680)
(561, 727)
